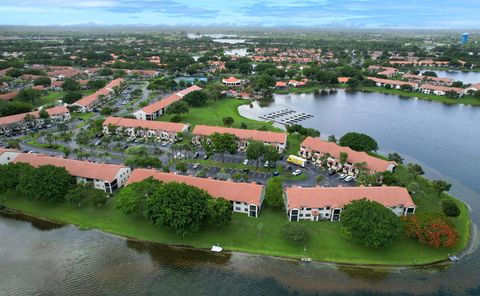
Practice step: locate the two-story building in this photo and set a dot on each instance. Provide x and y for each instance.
(152, 111)
(246, 198)
(276, 139)
(315, 148)
(161, 130)
(89, 102)
(30, 119)
(327, 203)
(106, 177)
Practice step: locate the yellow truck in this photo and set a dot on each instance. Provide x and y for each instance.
(296, 160)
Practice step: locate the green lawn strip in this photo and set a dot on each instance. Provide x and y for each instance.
(52, 96)
(41, 145)
(293, 144)
(467, 100)
(84, 116)
(253, 235)
(213, 113)
(230, 165)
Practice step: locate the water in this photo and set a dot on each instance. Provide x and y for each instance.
(464, 76)
(44, 259)
(445, 138)
(240, 52)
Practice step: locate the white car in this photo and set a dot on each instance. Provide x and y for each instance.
(342, 176)
(245, 162)
(348, 179)
(266, 164)
(296, 172)
(195, 166)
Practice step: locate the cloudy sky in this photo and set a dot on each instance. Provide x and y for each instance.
(445, 14)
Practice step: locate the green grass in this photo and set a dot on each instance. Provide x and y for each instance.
(428, 200)
(293, 144)
(253, 235)
(52, 96)
(213, 113)
(467, 100)
(85, 116)
(41, 145)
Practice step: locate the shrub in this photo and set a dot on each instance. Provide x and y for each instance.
(431, 229)
(450, 208)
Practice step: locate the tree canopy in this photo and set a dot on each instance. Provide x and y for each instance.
(358, 142)
(370, 223)
(196, 98)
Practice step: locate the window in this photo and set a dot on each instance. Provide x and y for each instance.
(328, 208)
(237, 209)
(308, 209)
(307, 215)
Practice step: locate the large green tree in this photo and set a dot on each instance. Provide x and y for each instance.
(224, 143)
(178, 206)
(219, 212)
(49, 183)
(274, 193)
(132, 199)
(358, 142)
(255, 150)
(371, 224)
(196, 98)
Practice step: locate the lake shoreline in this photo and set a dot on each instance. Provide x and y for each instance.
(26, 217)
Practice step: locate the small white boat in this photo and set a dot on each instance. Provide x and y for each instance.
(453, 258)
(216, 249)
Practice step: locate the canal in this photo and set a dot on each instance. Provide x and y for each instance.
(39, 258)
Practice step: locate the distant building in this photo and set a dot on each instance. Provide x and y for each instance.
(464, 38)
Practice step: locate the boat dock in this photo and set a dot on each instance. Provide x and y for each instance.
(286, 116)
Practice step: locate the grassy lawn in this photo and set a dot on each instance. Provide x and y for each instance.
(85, 116)
(52, 96)
(293, 144)
(41, 145)
(467, 100)
(261, 235)
(428, 200)
(213, 113)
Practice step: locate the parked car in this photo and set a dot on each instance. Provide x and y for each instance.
(266, 164)
(195, 166)
(342, 176)
(331, 172)
(348, 179)
(296, 172)
(245, 162)
(276, 174)
(197, 155)
(98, 143)
(206, 156)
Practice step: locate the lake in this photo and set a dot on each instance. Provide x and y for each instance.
(41, 258)
(466, 77)
(38, 258)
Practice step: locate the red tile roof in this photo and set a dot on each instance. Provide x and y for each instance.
(20, 117)
(392, 82)
(153, 125)
(8, 96)
(231, 80)
(165, 102)
(159, 105)
(77, 168)
(442, 88)
(188, 90)
(373, 163)
(241, 192)
(339, 197)
(88, 100)
(420, 78)
(343, 79)
(243, 134)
